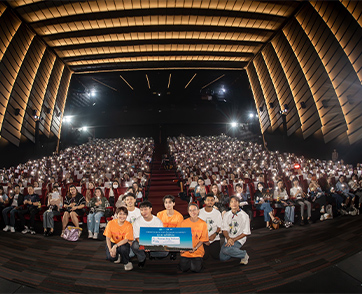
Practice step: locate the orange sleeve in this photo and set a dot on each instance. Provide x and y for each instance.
(129, 233)
(205, 235)
(108, 230)
(180, 219)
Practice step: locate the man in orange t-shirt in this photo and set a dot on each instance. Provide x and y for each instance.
(193, 259)
(170, 218)
(119, 235)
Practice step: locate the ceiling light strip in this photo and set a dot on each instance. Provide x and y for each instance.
(169, 82)
(148, 82)
(126, 82)
(190, 80)
(213, 81)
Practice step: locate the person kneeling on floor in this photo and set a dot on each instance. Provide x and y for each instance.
(119, 236)
(145, 220)
(235, 228)
(192, 260)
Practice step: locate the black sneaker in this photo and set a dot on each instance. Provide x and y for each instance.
(301, 222)
(142, 264)
(46, 234)
(309, 221)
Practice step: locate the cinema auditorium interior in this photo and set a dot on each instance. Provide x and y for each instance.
(168, 146)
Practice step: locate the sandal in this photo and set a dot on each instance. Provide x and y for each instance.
(275, 221)
(270, 228)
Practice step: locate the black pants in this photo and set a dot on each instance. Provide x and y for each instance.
(32, 211)
(123, 250)
(193, 264)
(249, 210)
(212, 250)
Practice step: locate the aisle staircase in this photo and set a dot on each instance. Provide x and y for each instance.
(163, 182)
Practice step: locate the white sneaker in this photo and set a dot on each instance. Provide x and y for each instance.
(7, 228)
(95, 236)
(245, 260)
(322, 210)
(118, 259)
(322, 218)
(12, 229)
(90, 235)
(26, 230)
(32, 232)
(128, 266)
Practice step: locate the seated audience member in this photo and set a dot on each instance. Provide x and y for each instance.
(200, 191)
(137, 192)
(235, 228)
(55, 203)
(221, 200)
(244, 201)
(89, 192)
(297, 194)
(281, 198)
(145, 220)
(356, 189)
(170, 217)
(331, 191)
(4, 199)
(73, 206)
(97, 207)
(318, 196)
(213, 219)
(16, 200)
(31, 206)
(262, 202)
(192, 260)
(119, 235)
(343, 189)
(114, 189)
(133, 211)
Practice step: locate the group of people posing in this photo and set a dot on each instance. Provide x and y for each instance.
(207, 224)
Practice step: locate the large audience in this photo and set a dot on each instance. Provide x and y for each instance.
(227, 182)
(272, 182)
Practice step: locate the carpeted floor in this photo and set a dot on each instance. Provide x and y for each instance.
(276, 259)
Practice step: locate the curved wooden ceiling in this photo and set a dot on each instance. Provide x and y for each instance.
(129, 35)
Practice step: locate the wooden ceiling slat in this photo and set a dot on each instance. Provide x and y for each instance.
(100, 34)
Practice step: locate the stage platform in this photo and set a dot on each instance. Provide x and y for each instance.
(324, 257)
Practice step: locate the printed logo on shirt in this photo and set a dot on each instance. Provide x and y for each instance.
(133, 218)
(209, 222)
(233, 227)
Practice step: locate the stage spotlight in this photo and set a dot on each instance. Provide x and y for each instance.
(84, 129)
(93, 93)
(234, 124)
(251, 115)
(67, 119)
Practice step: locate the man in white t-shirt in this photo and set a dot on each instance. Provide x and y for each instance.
(133, 211)
(214, 221)
(145, 220)
(235, 227)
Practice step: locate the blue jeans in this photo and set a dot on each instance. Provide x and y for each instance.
(233, 251)
(122, 250)
(12, 211)
(289, 214)
(267, 208)
(93, 220)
